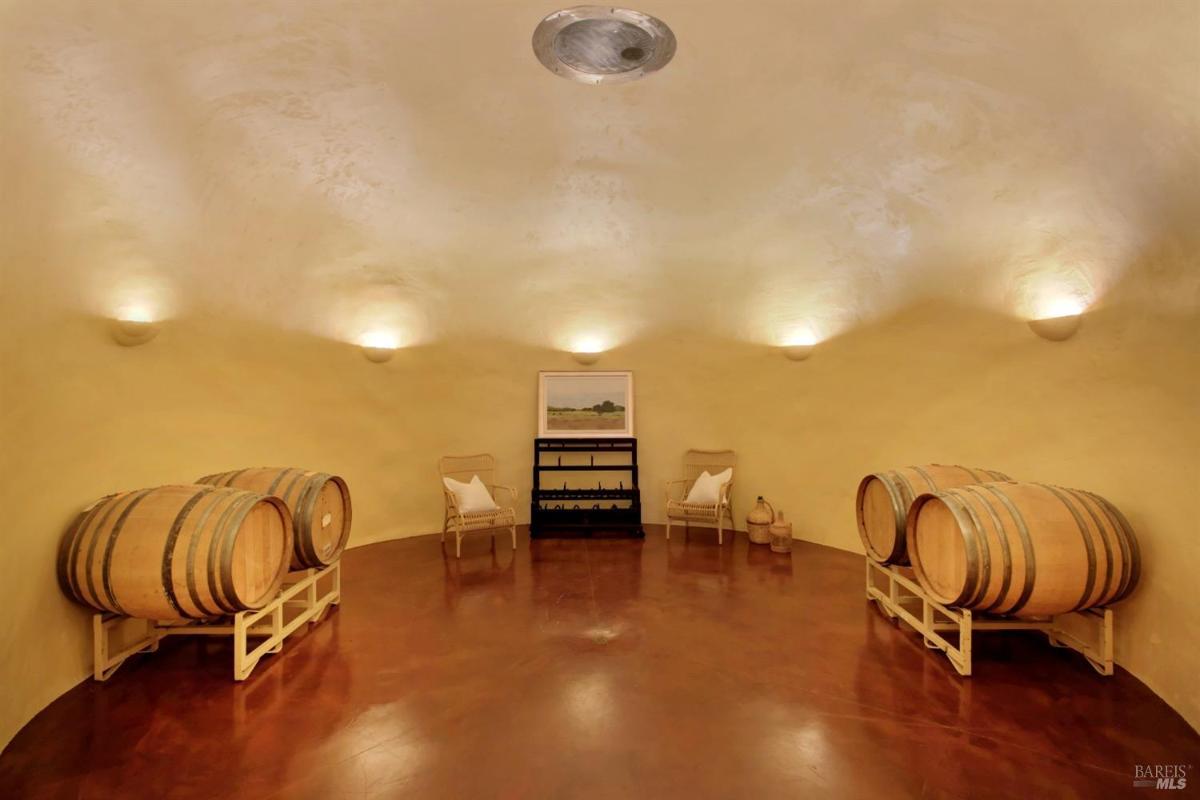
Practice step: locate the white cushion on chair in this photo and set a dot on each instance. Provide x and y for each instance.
(707, 488)
(472, 497)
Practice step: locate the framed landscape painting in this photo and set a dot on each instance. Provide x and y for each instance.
(585, 404)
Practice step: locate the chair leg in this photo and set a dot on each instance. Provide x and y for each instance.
(668, 528)
(720, 529)
(445, 524)
(458, 544)
(513, 529)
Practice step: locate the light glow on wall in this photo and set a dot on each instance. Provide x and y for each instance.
(1055, 287)
(372, 310)
(1062, 305)
(384, 340)
(798, 312)
(589, 344)
(588, 333)
(136, 312)
(128, 286)
(799, 336)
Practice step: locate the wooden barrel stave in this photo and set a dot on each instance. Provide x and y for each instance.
(883, 500)
(1021, 549)
(177, 552)
(310, 496)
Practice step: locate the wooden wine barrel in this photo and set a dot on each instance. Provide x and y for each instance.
(177, 552)
(319, 502)
(884, 499)
(1022, 549)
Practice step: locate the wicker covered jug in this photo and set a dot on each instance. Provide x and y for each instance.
(758, 522)
(781, 534)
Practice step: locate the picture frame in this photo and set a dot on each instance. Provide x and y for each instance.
(585, 404)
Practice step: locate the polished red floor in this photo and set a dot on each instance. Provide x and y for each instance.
(601, 669)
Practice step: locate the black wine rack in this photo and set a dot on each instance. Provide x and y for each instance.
(575, 511)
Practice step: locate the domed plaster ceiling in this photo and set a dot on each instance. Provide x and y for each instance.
(798, 168)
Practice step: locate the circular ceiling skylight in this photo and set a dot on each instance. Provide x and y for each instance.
(602, 44)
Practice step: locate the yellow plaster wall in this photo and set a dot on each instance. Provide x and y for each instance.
(901, 177)
(1112, 410)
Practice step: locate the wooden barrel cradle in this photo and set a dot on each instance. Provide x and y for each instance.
(319, 502)
(1022, 549)
(177, 552)
(884, 498)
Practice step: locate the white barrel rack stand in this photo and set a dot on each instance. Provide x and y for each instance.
(902, 598)
(299, 602)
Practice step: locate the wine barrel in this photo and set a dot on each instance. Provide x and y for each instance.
(1022, 549)
(177, 552)
(319, 502)
(884, 498)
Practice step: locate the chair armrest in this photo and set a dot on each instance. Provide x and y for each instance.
(680, 482)
(511, 492)
(726, 488)
(451, 503)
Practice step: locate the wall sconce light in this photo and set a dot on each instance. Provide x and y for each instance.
(1056, 329)
(133, 327)
(798, 352)
(586, 357)
(378, 355)
(379, 347)
(799, 345)
(1059, 316)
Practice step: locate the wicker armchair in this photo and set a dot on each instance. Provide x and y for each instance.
(463, 468)
(694, 463)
